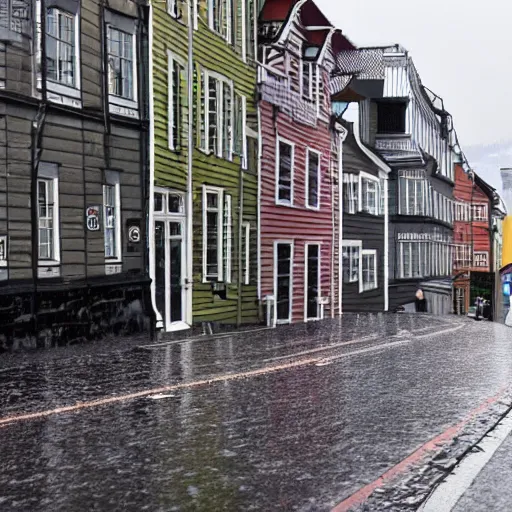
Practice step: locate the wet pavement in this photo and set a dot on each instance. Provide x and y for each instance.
(297, 418)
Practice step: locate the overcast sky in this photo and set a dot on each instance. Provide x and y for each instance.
(461, 49)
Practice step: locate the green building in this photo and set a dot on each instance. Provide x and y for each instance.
(204, 165)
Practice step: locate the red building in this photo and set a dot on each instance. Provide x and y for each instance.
(298, 172)
(472, 254)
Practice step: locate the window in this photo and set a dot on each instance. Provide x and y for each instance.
(246, 229)
(369, 195)
(112, 216)
(216, 116)
(382, 203)
(479, 212)
(391, 117)
(413, 188)
(413, 259)
(284, 171)
(217, 235)
(121, 64)
(227, 239)
(48, 213)
(462, 256)
(239, 135)
(3, 251)
(176, 79)
(220, 20)
(61, 52)
(368, 270)
(178, 9)
(481, 259)
(307, 80)
(46, 208)
(350, 193)
(250, 28)
(313, 179)
(351, 254)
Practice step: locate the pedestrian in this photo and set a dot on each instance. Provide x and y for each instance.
(479, 307)
(420, 303)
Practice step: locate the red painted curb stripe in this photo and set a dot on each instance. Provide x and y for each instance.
(364, 493)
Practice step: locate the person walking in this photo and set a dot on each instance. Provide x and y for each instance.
(420, 303)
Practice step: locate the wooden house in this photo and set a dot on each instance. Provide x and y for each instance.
(408, 126)
(473, 240)
(297, 245)
(72, 170)
(365, 223)
(204, 174)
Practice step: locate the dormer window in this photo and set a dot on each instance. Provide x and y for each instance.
(307, 80)
(391, 117)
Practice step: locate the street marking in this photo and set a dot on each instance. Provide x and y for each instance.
(359, 497)
(446, 496)
(16, 418)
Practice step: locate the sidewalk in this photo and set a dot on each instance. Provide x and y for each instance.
(481, 481)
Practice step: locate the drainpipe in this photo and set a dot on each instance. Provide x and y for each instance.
(386, 245)
(151, 209)
(333, 226)
(240, 239)
(190, 156)
(260, 147)
(340, 206)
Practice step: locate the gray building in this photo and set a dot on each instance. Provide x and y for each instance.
(408, 126)
(73, 134)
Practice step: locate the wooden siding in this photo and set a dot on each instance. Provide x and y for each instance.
(367, 228)
(215, 54)
(296, 223)
(79, 143)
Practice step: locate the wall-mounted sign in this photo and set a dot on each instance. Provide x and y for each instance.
(92, 216)
(134, 234)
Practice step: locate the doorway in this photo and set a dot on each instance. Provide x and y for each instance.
(283, 258)
(170, 260)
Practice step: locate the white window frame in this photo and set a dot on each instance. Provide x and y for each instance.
(479, 218)
(484, 254)
(121, 101)
(113, 179)
(308, 95)
(367, 252)
(171, 59)
(220, 230)
(285, 202)
(50, 172)
(292, 255)
(221, 82)
(246, 259)
(243, 99)
(368, 177)
(57, 87)
(227, 235)
(401, 265)
(349, 179)
(4, 261)
(229, 8)
(352, 243)
(318, 179)
(172, 6)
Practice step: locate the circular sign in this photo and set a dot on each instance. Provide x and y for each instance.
(134, 234)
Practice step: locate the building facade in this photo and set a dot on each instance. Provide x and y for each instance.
(297, 212)
(408, 126)
(365, 237)
(204, 174)
(72, 171)
(473, 254)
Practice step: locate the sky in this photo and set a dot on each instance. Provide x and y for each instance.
(462, 50)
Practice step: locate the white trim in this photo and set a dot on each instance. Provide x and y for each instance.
(369, 177)
(171, 58)
(386, 244)
(246, 226)
(367, 252)
(220, 232)
(342, 136)
(318, 178)
(4, 262)
(244, 31)
(53, 175)
(227, 237)
(113, 180)
(283, 202)
(292, 251)
(291, 21)
(352, 243)
(306, 282)
(258, 207)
